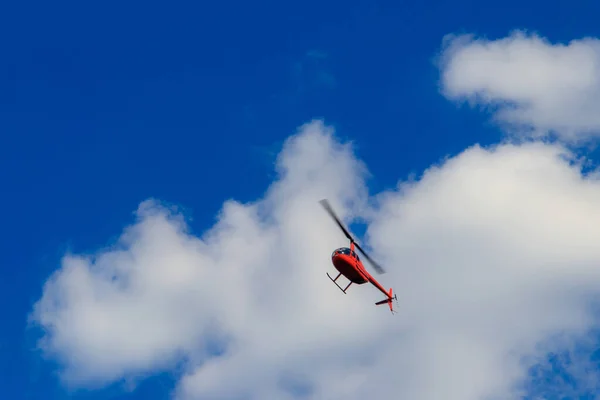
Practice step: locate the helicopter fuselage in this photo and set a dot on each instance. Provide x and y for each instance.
(347, 262)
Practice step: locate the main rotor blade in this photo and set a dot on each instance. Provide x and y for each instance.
(328, 208)
(376, 266)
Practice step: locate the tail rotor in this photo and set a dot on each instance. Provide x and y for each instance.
(388, 301)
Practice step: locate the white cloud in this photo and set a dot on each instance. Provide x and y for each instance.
(535, 86)
(490, 254)
(163, 293)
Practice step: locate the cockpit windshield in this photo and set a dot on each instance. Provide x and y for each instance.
(342, 250)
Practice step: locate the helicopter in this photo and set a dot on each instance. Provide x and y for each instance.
(348, 263)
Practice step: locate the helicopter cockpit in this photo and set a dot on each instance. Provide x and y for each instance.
(346, 251)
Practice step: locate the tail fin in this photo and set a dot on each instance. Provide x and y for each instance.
(388, 300)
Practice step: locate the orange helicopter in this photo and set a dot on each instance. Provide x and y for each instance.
(347, 262)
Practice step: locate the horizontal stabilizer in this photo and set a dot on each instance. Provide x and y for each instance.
(388, 300)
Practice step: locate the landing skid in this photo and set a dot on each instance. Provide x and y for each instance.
(334, 281)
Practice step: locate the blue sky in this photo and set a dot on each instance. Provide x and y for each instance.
(102, 107)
